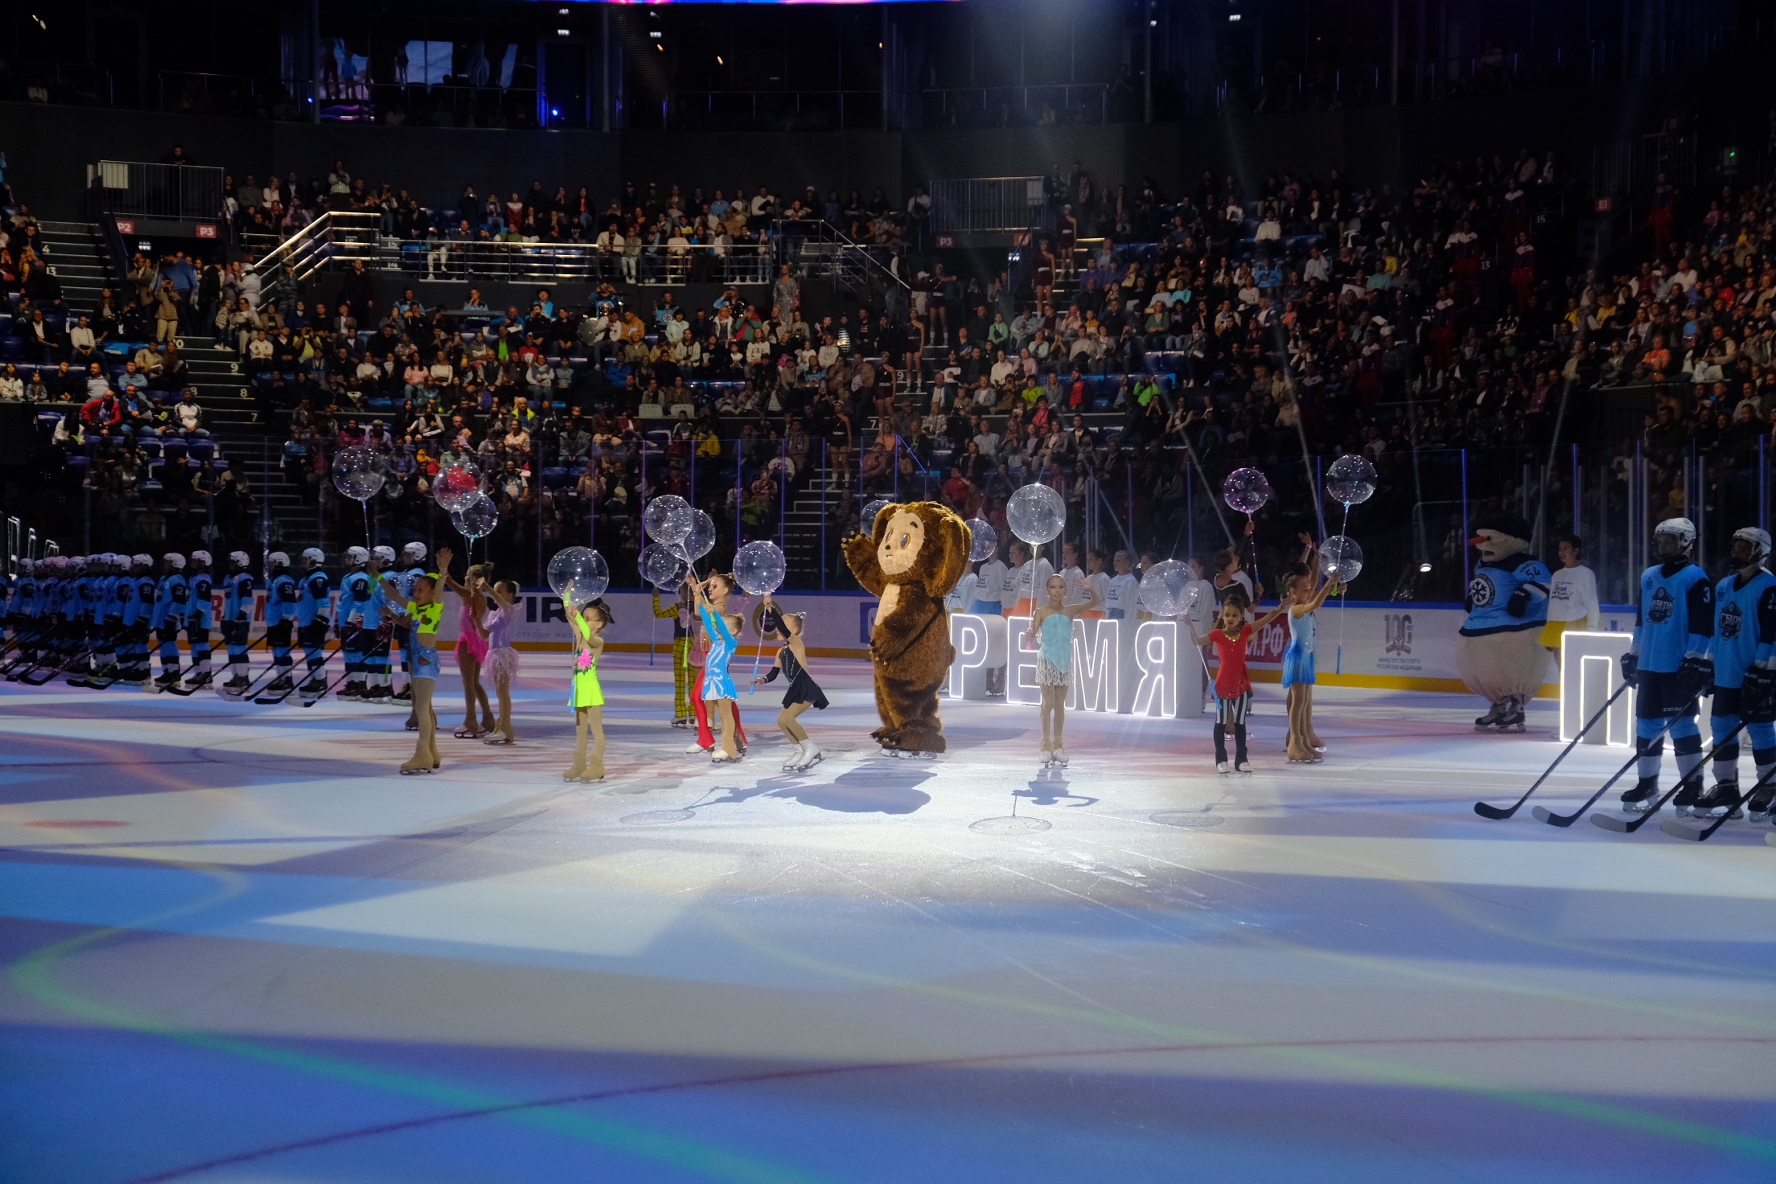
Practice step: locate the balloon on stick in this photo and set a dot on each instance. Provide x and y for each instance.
(1036, 513)
(359, 473)
(700, 538)
(867, 524)
(664, 565)
(667, 518)
(1248, 491)
(458, 485)
(983, 539)
(579, 575)
(758, 569)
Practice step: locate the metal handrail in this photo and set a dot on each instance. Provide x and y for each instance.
(823, 231)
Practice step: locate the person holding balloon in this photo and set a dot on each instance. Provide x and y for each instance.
(495, 625)
(471, 647)
(1303, 600)
(1051, 632)
(589, 622)
(1233, 685)
(721, 628)
(802, 693)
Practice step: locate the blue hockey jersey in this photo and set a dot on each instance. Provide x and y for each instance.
(202, 613)
(314, 598)
(1675, 615)
(237, 597)
(1507, 596)
(170, 600)
(281, 597)
(357, 599)
(1744, 626)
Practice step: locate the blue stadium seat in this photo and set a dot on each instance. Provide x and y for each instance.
(12, 348)
(78, 462)
(149, 448)
(201, 450)
(554, 478)
(174, 450)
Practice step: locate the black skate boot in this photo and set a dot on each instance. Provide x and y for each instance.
(1641, 796)
(1722, 796)
(1758, 807)
(282, 682)
(1512, 720)
(1490, 720)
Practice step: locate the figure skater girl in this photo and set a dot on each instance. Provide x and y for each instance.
(495, 624)
(471, 648)
(588, 696)
(1298, 659)
(422, 609)
(718, 687)
(803, 692)
(1051, 631)
(1233, 686)
(717, 588)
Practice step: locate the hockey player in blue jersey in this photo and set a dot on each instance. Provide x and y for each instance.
(1744, 685)
(1499, 653)
(376, 666)
(200, 616)
(237, 619)
(1667, 662)
(314, 616)
(138, 618)
(172, 600)
(357, 622)
(281, 597)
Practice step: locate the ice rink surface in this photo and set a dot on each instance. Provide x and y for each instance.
(240, 949)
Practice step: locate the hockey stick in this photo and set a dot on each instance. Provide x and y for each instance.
(1486, 810)
(1630, 825)
(384, 647)
(1678, 830)
(209, 675)
(1546, 815)
(83, 651)
(308, 672)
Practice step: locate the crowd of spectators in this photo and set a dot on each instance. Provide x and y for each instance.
(1134, 334)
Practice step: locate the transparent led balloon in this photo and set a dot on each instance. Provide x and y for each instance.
(1351, 479)
(985, 539)
(871, 511)
(758, 568)
(579, 575)
(663, 565)
(1166, 588)
(1246, 490)
(1341, 558)
(458, 485)
(698, 540)
(667, 518)
(477, 519)
(358, 472)
(1036, 513)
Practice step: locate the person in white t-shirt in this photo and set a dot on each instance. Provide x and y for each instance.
(1125, 588)
(1097, 580)
(1572, 595)
(989, 582)
(1143, 609)
(1077, 592)
(1028, 579)
(961, 597)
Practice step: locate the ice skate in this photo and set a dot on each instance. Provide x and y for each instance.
(1640, 798)
(352, 693)
(1223, 768)
(282, 682)
(695, 749)
(1490, 720)
(417, 765)
(810, 756)
(1060, 757)
(794, 760)
(1513, 719)
(1722, 796)
(404, 695)
(1244, 766)
(683, 721)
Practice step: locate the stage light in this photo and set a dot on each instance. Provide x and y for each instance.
(655, 33)
(718, 60)
(1233, 16)
(555, 111)
(562, 32)
(1424, 567)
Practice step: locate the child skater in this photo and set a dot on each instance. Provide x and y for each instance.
(1233, 687)
(717, 589)
(471, 650)
(422, 608)
(1298, 659)
(803, 692)
(1051, 630)
(718, 686)
(588, 696)
(502, 660)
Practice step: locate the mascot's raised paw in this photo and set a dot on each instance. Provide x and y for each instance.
(912, 559)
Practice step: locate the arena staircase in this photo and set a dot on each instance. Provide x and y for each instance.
(76, 257)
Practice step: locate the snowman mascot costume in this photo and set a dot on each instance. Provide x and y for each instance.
(1499, 652)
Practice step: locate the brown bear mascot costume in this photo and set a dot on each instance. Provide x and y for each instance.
(914, 558)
